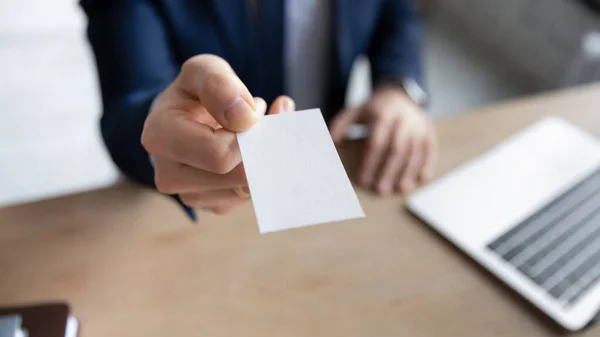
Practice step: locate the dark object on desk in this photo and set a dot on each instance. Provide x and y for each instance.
(44, 320)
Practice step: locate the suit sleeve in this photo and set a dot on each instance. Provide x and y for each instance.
(395, 51)
(134, 62)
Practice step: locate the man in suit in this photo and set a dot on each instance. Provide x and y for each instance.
(179, 77)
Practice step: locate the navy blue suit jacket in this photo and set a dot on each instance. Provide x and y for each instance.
(139, 46)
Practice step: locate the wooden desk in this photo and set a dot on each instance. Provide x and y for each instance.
(132, 265)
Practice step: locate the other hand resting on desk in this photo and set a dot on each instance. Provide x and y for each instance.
(401, 148)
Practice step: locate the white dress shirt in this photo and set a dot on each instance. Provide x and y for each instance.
(306, 51)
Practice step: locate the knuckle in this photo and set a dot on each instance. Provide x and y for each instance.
(382, 186)
(221, 159)
(149, 140)
(376, 143)
(217, 83)
(400, 183)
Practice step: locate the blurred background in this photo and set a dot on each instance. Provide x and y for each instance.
(477, 52)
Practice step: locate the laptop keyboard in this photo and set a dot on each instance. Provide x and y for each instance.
(558, 248)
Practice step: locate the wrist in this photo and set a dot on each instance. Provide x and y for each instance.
(408, 87)
(389, 95)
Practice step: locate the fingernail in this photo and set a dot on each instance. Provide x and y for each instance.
(238, 113)
(261, 106)
(289, 105)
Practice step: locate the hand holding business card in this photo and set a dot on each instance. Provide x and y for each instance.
(294, 172)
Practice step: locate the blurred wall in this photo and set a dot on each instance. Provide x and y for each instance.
(49, 141)
(540, 38)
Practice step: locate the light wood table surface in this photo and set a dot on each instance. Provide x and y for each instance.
(131, 264)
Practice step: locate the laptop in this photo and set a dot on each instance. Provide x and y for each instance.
(528, 210)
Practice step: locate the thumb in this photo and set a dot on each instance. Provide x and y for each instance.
(211, 81)
(342, 121)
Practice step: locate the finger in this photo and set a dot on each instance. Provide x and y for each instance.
(408, 179)
(222, 210)
(430, 158)
(212, 81)
(376, 147)
(395, 161)
(177, 136)
(225, 208)
(261, 106)
(261, 109)
(181, 137)
(175, 178)
(211, 199)
(342, 121)
(282, 104)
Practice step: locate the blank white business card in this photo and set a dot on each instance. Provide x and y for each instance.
(294, 172)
